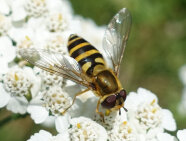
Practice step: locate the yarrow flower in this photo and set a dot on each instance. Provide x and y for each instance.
(83, 129)
(25, 43)
(146, 115)
(123, 132)
(18, 85)
(57, 22)
(149, 115)
(49, 80)
(46, 136)
(111, 119)
(57, 44)
(56, 100)
(47, 24)
(36, 8)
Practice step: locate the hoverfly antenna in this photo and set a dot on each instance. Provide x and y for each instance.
(125, 109)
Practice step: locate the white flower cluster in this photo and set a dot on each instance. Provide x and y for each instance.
(47, 24)
(42, 24)
(129, 126)
(182, 74)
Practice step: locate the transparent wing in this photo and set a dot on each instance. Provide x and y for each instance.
(55, 63)
(116, 36)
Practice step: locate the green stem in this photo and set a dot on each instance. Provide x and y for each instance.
(11, 117)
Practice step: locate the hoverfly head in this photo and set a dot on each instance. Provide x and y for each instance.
(114, 100)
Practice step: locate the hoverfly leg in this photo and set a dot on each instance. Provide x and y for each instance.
(100, 113)
(119, 111)
(78, 94)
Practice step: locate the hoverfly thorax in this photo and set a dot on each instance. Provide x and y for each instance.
(106, 82)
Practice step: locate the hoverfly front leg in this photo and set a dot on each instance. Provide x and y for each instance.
(78, 94)
(97, 110)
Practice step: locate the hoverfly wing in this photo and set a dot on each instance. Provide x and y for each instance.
(55, 63)
(116, 36)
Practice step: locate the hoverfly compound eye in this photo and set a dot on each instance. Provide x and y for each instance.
(123, 94)
(109, 102)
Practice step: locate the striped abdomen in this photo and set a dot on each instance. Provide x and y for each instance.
(85, 54)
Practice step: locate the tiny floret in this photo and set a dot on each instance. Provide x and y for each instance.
(17, 82)
(56, 100)
(84, 129)
(36, 8)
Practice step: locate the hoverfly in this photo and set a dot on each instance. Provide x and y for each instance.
(86, 65)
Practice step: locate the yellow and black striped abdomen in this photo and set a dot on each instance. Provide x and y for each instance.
(85, 54)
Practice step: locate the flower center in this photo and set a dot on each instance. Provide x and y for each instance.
(17, 83)
(84, 131)
(122, 132)
(49, 79)
(56, 22)
(38, 2)
(57, 44)
(149, 115)
(36, 8)
(56, 100)
(26, 43)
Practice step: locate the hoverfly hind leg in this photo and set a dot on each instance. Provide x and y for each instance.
(78, 94)
(100, 113)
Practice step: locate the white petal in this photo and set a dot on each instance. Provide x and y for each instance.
(62, 137)
(182, 74)
(132, 101)
(62, 123)
(59, 5)
(168, 121)
(4, 97)
(5, 42)
(4, 66)
(17, 105)
(182, 104)
(165, 137)
(7, 50)
(4, 8)
(35, 80)
(38, 114)
(181, 134)
(88, 107)
(41, 136)
(49, 122)
(146, 95)
(18, 11)
(153, 132)
(19, 34)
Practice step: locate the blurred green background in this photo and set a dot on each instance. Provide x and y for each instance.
(156, 50)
